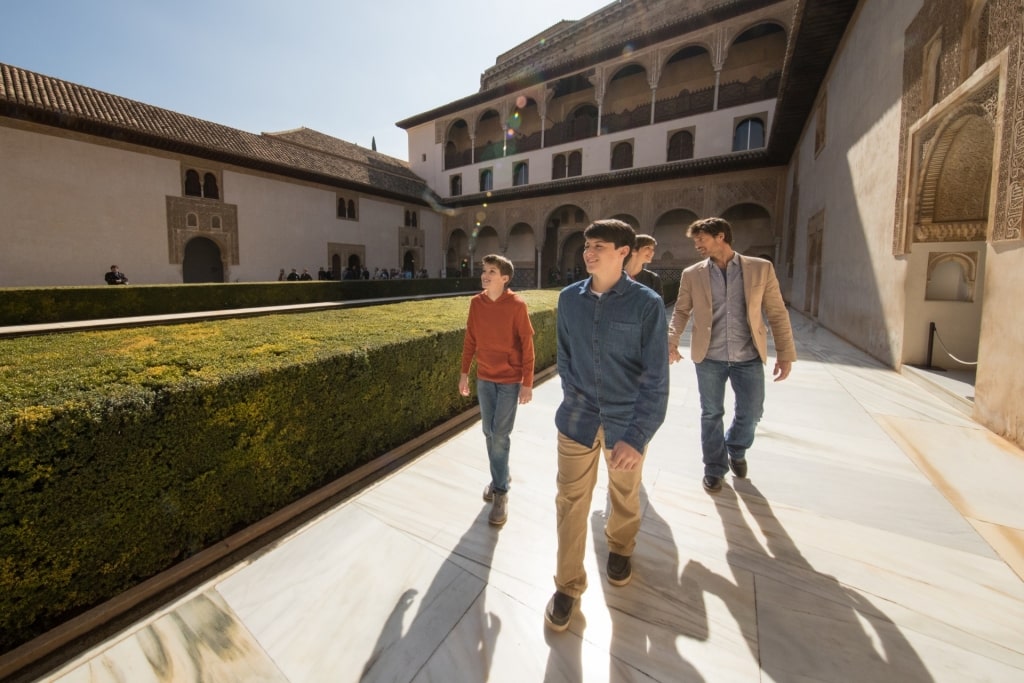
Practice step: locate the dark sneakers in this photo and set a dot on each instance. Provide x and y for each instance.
(711, 483)
(620, 569)
(738, 467)
(559, 611)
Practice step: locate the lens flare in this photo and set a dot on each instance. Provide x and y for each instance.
(521, 102)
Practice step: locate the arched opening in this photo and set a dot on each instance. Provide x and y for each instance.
(753, 68)
(457, 147)
(752, 232)
(627, 100)
(485, 241)
(202, 261)
(193, 188)
(488, 130)
(563, 221)
(675, 249)
(210, 190)
(687, 84)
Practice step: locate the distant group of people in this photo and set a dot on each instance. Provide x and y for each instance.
(614, 347)
(353, 272)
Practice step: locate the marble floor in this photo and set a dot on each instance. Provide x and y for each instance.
(878, 537)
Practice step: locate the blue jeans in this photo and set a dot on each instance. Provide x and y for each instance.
(747, 380)
(498, 403)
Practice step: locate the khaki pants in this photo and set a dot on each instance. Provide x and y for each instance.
(577, 476)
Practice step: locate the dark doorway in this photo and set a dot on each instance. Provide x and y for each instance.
(202, 261)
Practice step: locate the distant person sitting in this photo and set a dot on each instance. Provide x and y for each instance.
(293, 276)
(305, 275)
(115, 277)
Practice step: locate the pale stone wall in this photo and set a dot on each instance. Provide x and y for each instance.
(1000, 380)
(853, 179)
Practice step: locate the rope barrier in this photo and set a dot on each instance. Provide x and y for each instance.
(944, 348)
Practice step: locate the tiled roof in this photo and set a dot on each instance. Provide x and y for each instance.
(304, 154)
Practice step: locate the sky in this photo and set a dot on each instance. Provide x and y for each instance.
(345, 68)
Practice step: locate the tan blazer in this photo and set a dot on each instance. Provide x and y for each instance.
(764, 300)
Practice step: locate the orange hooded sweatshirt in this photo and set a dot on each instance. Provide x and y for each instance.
(500, 335)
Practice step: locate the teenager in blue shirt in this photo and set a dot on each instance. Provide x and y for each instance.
(613, 364)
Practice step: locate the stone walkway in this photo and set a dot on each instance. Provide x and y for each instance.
(879, 537)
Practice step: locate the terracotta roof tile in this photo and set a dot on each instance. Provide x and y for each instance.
(302, 153)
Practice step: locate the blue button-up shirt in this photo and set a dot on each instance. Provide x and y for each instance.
(613, 362)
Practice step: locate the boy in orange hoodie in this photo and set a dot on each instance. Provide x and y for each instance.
(499, 334)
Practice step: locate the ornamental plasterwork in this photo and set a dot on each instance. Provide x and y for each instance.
(762, 191)
(613, 203)
(179, 232)
(689, 198)
(521, 214)
(1010, 202)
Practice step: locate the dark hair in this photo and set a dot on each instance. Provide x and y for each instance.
(645, 241)
(617, 232)
(505, 266)
(711, 226)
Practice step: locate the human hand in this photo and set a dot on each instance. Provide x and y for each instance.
(674, 355)
(525, 395)
(782, 368)
(464, 385)
(625, 457)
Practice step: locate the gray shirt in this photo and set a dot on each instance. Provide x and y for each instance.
(730, 332)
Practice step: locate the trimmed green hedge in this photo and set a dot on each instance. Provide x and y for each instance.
(123, 452)
(38, 305)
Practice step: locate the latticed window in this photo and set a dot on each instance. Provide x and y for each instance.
(680, 146)
(622, 156)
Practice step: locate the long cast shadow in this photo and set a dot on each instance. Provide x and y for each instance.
(809, 626)
(654, 609)
(398, 657)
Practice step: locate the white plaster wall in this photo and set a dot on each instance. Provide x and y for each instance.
(713, 133)
(854, 179)
(70, 209)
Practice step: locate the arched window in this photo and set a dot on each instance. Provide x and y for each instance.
(749, 135)
(521, 173)
(351, 208)
(575, 164)
(680, 146)
(192, 220)
(414, 218)
(192, 186)
(558, 167)
(455, 185)
(341, 207)
(408, 219)
(215, 222)
(486, 180)
(210, 186)
(622, 155)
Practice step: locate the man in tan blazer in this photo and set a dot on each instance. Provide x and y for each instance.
(729, 296)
